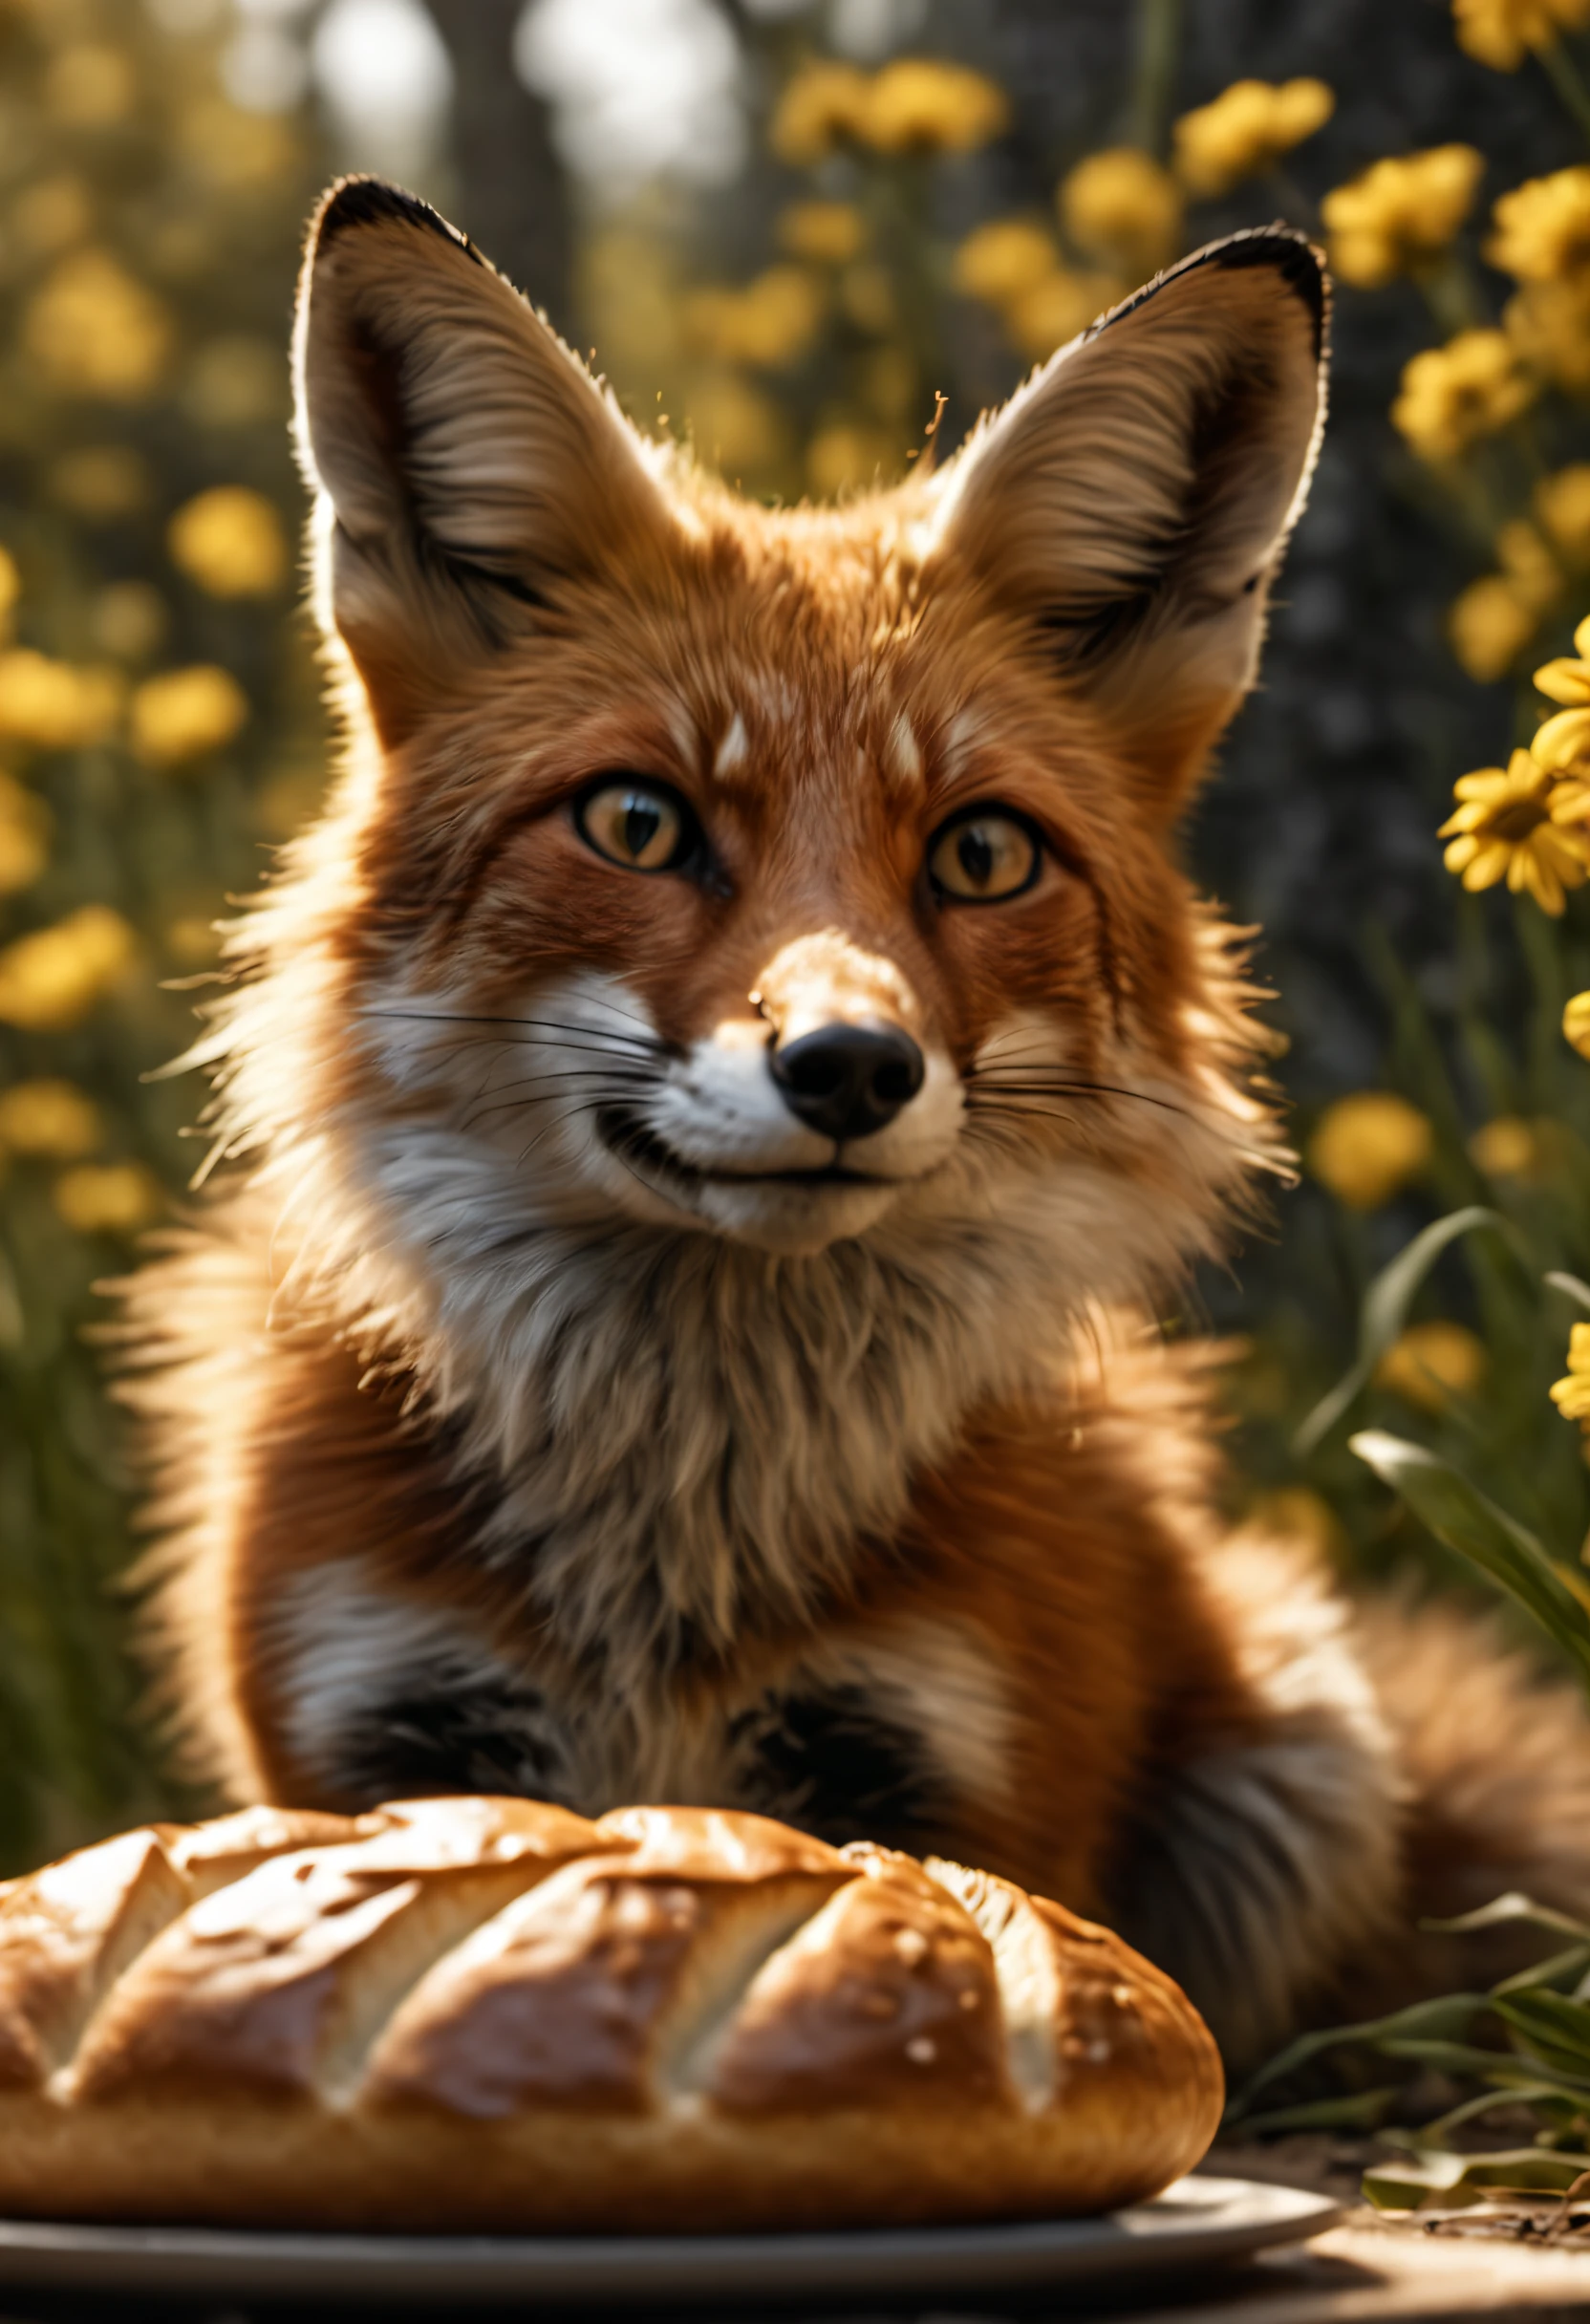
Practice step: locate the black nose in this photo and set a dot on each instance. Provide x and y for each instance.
(849, 1080)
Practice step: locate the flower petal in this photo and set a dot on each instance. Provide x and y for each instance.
(1564, 681)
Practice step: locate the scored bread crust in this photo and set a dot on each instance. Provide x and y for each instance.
(480, 2013)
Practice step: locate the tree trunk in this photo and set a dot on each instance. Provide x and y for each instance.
(513, 194)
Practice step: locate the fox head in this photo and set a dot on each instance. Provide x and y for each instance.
(783, 889)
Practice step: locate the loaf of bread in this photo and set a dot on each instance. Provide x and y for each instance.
(483, 2014)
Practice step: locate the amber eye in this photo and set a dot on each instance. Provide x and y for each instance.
(985, 855)
(640, 825)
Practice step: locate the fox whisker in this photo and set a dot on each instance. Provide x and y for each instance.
(530, 1025)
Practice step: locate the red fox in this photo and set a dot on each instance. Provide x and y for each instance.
(704, 1118)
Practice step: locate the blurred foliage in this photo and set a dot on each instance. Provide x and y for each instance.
(900, 235)
(159, 721)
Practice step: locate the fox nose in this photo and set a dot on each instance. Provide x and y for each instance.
(847, 1080)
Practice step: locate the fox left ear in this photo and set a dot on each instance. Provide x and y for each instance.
(1133, 499)
(471, 474)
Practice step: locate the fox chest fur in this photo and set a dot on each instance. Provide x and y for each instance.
(696, 1119)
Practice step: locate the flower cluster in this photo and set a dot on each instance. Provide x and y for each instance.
(914, 104)
(768, 323)
(1122, 208)
(1453, 396)
(92, 329)
(1401, 214)
(1013, 265)
(1245, 131)
(1501, 32)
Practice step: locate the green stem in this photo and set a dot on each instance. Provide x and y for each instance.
(1567, 80)
(1158, 40)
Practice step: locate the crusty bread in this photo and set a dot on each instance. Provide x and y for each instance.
(485, 2013)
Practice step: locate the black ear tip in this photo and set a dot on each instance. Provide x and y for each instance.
(356, 201)
(1284, 251)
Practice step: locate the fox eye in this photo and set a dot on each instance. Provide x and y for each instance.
(643, 826)
(985, 855)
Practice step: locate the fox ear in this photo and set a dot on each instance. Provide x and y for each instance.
(1133, 499)
(469, 469)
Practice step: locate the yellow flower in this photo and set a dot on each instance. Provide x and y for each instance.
(1002, 260)
(918, 104)
(1507, 1148)
(50, 979)
(10, 588)
(770, 323)
(1058, 306)
(829, 233)
(1549, 323)
(1576, 1023)
(89, 85)
(108, 1197)
(1431, 1363)
(1396, 216)
(1120, 205)
(1563, 503)
(1571, 1394)
(24, 836)
(95, 331)
(1504, 829)
(1543, 227)
(55, 706)
(183, 713)
(1246, 130)
(1490, 625)
(230, 541)
(1567, 680)
(1501, 32)
(1368, 1147)
(1453, 395)
(48, 1120)
(822, 106)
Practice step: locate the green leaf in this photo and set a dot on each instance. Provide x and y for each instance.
(1358, 2110)
(1446, 2182)
(1462, 1517)
(1385, 1311)
(1503, 1911)
(1556, 2028)
(1448, 2014)
(1546, 1973)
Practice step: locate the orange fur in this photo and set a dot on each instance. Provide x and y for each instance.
(545, 1398)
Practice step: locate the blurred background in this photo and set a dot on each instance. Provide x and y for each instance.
(801, 235)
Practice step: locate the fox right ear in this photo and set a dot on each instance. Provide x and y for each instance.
(1131, 504)
(470, 470)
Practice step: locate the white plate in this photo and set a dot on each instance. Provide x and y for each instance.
(1195, 2221)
